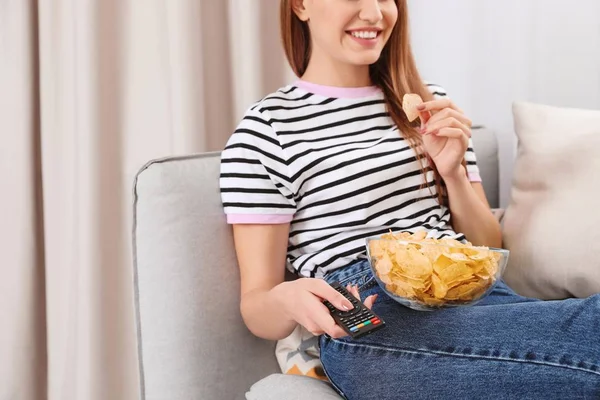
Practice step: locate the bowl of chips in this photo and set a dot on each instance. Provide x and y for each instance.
(428, 274)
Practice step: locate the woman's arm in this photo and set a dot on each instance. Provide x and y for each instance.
(261, 251)
(446, 131)
(470, 210)
(270, 307)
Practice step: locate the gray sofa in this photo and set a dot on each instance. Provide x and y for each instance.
(191, 338)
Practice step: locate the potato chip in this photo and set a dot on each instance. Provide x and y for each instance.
(432, 252)
(414, 263)
(377, 248)
(434, 272)
(418, 236)
(410, 102)
(461, 290)
(440, 289)
(457, 271)
(385, 278)
(430, 301)
(455, 256)
(415, 283)
(385, 264)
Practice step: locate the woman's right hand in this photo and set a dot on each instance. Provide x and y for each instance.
(302, 301)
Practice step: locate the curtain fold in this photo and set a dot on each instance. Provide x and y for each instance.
(90, 91)
(22, 285)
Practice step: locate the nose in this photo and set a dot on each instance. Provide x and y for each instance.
(370, 11)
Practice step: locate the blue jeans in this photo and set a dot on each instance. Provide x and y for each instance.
(505, 347)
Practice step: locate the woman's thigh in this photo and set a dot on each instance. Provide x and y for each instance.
(505, 347)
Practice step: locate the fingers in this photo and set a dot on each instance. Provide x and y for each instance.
(319, 321)
(450, 133)
(450, 122)
(353, 289)
(450, 113)
(335, 332)
(369, 301)
(438, 105)
(323, 290)
(325, 321)
(454, 133)
(425, 117)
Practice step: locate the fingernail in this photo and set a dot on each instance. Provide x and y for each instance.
(347, 305)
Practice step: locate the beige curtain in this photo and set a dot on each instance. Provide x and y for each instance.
(90, 91)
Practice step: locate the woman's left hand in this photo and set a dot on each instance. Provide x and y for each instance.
(446, 131)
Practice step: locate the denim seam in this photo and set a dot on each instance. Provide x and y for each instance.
(335, 387)
(469, 356)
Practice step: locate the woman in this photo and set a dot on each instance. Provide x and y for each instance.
(316, 167)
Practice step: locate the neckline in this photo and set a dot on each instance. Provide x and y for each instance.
(337, 91)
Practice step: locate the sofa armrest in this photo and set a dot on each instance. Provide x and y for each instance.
(485, 144)
(192, 341)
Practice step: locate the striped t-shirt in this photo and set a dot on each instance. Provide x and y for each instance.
(332, 163)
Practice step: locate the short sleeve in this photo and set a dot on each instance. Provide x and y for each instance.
(470, 157)
(254, 181)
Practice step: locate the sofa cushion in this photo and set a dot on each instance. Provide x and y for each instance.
(552, 223)
(291, 387)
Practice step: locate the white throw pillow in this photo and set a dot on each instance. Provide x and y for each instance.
(552, 224)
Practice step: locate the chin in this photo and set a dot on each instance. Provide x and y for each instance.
(365, 59)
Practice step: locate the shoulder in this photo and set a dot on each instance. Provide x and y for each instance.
(262, 111)
(255, 129)
(258, 116)
(285, 97)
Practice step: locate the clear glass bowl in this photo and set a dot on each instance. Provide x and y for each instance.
(457, 275)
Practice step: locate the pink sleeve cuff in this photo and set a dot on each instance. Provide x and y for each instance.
(260, 219)
(474, 177)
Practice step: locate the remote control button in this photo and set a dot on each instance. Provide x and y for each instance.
(375, 321)
(367, 323)
(353, 329)
(343, 314)
(360, 326)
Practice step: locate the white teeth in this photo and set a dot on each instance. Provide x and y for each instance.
(365, 34)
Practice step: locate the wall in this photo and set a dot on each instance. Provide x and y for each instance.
(489, 53)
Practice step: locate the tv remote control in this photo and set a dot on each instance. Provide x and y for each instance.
(358, 321)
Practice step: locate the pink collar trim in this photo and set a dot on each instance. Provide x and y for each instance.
(338, 92)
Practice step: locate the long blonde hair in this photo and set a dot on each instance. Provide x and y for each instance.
(395, 73)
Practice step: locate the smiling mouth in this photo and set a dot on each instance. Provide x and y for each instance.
(366, 35)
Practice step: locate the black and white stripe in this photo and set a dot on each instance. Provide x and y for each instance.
(337, 169)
